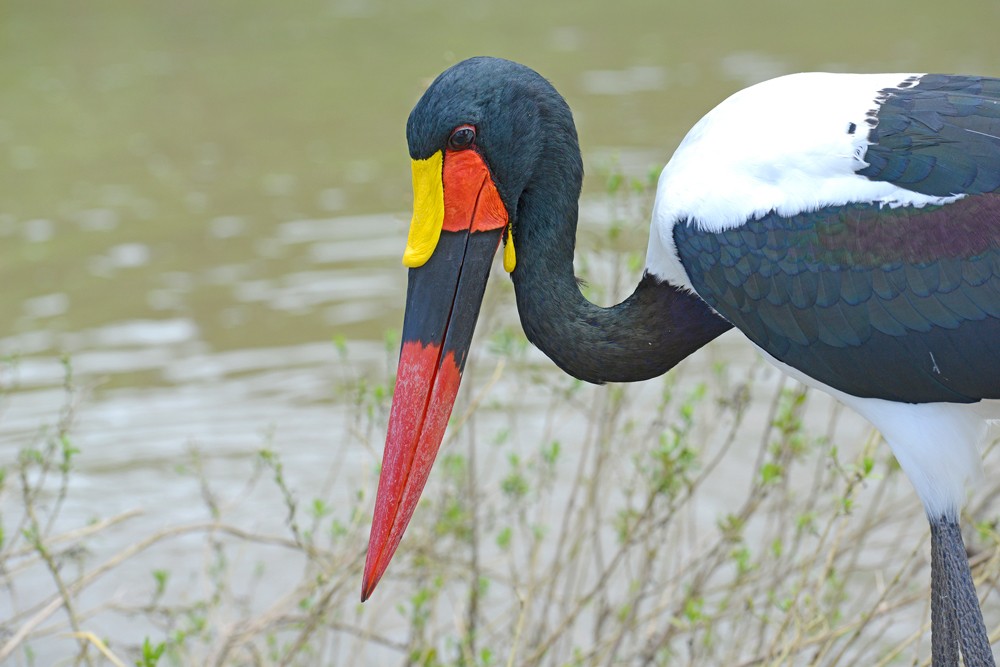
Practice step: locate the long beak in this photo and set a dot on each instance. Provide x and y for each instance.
(443, 298)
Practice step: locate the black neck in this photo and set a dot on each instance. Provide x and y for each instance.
(643, 337)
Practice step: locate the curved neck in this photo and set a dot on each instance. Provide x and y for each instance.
(643, 337)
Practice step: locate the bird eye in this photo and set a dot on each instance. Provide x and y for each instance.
(462, 137)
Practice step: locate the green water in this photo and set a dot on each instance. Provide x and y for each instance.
(149, 151)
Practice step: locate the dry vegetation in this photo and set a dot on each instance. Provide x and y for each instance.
(700, 519)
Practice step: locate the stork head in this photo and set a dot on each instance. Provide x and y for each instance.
(477, 137)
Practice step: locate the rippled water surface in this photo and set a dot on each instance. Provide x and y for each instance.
(203, 205)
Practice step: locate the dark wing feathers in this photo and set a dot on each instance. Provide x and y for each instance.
(865, 299)
(940, 137)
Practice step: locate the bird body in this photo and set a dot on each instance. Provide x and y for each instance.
(854, 279)
(848, 225)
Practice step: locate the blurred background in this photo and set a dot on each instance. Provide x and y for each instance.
(203, 206)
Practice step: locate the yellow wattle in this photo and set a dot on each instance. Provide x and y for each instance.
(509, 258)
(428, 210)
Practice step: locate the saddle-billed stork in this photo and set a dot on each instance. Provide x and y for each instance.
(847, 224)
